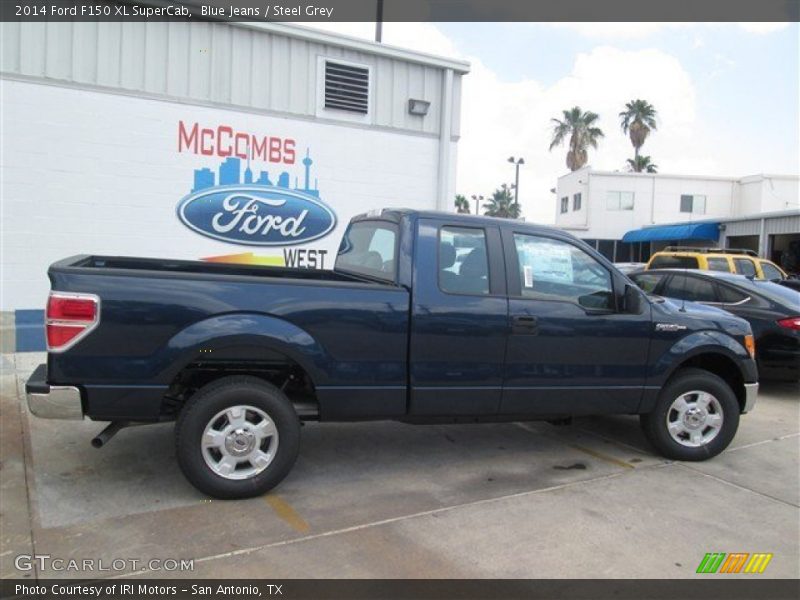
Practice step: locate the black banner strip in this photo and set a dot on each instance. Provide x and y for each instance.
(705, 588)
(402, 10)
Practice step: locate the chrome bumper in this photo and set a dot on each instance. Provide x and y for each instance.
(52, 401)
(750, 396)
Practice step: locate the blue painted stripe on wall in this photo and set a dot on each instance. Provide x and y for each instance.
(29, 326)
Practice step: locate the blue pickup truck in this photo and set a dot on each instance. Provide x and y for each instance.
(427, 318)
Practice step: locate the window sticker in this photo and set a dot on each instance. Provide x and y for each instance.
(549, 262)
(528, 272)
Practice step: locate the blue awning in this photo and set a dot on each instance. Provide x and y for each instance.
(666, 233)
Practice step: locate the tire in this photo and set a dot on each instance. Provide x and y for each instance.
(237, 437)
(692, 401)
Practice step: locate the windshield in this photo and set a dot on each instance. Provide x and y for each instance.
(369, 248)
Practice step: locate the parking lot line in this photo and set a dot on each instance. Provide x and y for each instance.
(732, 484)
(344, 530)
(285, 511)
(590, 452)
(761, 443)
(601, 456)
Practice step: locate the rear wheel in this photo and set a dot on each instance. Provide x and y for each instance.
(695, 418)
(237, 437)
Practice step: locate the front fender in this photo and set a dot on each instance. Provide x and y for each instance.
(697, 343)
(243, 329)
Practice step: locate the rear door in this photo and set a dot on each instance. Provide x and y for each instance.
(570, 351)
(459, 321)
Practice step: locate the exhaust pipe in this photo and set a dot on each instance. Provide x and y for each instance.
(101, 439)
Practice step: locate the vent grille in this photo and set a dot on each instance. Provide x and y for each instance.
(346, 87)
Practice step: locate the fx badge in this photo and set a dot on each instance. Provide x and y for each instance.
(669, 327)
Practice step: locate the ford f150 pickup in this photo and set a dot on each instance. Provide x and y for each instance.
(427, 317)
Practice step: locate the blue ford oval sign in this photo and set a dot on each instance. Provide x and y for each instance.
(257, 215)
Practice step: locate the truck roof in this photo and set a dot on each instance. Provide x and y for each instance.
(396, 214)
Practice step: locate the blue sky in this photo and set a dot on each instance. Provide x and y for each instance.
(728, 95)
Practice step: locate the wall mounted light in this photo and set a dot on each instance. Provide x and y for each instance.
(418, 107)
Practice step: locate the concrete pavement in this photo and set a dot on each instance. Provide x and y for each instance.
(393, 500)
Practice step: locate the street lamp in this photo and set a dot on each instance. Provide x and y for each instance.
(516, 163)
(477, 200)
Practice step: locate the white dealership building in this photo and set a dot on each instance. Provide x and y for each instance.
(126, 139)
(627, 216)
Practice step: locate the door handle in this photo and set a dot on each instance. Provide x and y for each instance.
(524, 324)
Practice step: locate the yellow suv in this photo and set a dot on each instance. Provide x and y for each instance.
(743, 262)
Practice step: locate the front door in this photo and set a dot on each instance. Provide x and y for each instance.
(459, 321)
(570, 351)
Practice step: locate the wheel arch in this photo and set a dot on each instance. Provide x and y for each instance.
(720, 363)
(244, 344)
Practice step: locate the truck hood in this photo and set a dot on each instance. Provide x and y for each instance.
(696, 316)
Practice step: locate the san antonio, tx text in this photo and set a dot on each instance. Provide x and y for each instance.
(267, 11)
(140, 589)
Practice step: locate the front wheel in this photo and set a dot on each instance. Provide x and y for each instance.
(237, 437)
(695, 418)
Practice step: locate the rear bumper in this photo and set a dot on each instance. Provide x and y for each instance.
(52, 401)
(750, 396)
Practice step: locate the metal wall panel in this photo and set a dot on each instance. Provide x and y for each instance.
(787, 224)
(750, 227)
(217, 62)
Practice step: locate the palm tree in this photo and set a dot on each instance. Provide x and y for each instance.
(582, 132)
(462, 204)
(641, 164)
(502, 204)
(638, 120)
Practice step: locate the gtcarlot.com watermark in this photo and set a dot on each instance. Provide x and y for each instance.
(44, 562)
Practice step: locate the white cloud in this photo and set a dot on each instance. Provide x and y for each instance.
(626, 31)
(611, 30)
(501, 118)
(763, 28)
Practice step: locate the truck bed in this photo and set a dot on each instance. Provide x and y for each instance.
(121, 264)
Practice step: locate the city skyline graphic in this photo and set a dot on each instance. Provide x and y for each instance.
(230, 173)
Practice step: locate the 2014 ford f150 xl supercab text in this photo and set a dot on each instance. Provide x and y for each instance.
(427, 317)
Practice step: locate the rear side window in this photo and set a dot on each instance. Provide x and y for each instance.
(369, 248)
(728, 295)
(550, 269)
(664, 261)
(648, 281)
(694, 289)
(745, 266)
(717, 263)
(771, 272)
(463, 262)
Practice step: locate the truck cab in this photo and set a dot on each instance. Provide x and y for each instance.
(427, 317)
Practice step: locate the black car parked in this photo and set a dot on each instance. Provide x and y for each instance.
(772, 310)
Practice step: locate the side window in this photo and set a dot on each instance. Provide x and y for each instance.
(463, 262)
(554, 270)
(368, 248)
(717, 263)
(728, 295)
(693, 289)
(745, 266)
(771, 272)
(648, 282)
